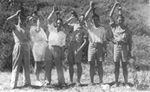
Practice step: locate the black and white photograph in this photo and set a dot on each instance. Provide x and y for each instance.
(74, 45)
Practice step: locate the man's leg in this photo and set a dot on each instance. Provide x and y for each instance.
(78, 59)
(99, 59)
(92, 71)
(71, 64)
(48, 64)
(79, 72)
(59, 65)
(117, 63)
(26, 65)
(91, 59)
(125, 72)
(16, 64)
(124, 63)
(100, 71)
(117, 67)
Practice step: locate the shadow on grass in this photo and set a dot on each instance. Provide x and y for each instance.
(120, 83)
(66, 86)
(32, 87)
(143, 87)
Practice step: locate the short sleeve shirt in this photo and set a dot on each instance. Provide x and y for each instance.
(55, 37)
(120, 33)
(96, 35)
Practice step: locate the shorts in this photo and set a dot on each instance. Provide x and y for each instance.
(120, 53)
(95, 52)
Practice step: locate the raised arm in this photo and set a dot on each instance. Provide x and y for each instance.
(112, 10)
(14, 15)
(89, 10)
(50, 15)
(73, 15)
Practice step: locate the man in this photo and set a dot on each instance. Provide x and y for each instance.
(75, 47)
(122, 44)
(39, 40)
(97, 44)
(57, 42)
(21, 51)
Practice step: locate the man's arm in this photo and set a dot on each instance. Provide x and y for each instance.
(68, 20)
(130, 40)
(14, 15)
(51, 14)
(82, 46)
(38, 24)
(89, 10)
(112, 11)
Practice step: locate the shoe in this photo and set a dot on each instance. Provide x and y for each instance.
(47, 84)
(13, 87)
(91, 84)
(38, 83)
(27, 85)
(78, 84)
(127, 86)
(62, 84)
(115, 85)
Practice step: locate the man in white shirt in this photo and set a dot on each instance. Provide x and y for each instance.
(56, 46)
(98, 37)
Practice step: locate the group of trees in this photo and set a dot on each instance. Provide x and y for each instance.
(131, 8)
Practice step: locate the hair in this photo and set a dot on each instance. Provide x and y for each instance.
(60, 20)
(74, 14)
(95, 16)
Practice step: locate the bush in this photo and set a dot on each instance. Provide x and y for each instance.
(132, 12)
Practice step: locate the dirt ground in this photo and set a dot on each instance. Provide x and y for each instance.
(107, 87)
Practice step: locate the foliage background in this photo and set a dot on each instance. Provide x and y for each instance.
(135, 12)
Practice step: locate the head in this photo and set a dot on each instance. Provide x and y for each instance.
(23, 14)
(120, 19)
(81, 20)
(34, 16)
(59, 22)
(78, 37)
(96, 20)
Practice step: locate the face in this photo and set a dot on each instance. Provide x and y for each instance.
(78, 37)
(58, 23)
(81, 18)
(120, 20)
(96, 21)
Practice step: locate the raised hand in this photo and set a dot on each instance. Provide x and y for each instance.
(18, 12)
(117, 3)
(91, 4)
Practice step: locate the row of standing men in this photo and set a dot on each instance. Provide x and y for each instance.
(62, 36)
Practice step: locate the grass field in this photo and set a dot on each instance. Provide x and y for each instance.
(143, 85)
